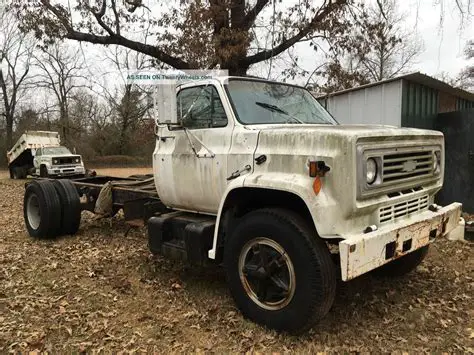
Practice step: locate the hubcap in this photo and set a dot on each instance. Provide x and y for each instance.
(33, 211)
(267, 273)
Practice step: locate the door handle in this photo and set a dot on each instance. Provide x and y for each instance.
(237, 173)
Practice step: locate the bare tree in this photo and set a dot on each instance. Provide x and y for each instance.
(395, 48)
(127, 101)
(15, 53)
(466, 77)
(378, 47)
(61, 71)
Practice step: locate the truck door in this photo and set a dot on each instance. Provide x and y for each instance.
(37, 158)
(190, 163)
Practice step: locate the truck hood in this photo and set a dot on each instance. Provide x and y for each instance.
(351, 132)
(64, 155)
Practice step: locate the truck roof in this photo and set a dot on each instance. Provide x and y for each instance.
(224, 79)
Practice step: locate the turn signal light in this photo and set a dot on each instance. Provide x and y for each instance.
(318, 168)
(317, 184)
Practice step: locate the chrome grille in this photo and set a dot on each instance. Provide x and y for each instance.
(406, 166)
(405, 208)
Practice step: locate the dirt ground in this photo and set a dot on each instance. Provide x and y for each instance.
(101, 290)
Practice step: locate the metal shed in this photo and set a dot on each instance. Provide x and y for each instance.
(411, 100)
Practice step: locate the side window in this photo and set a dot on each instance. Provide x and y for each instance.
(201, 107)
(39, 152)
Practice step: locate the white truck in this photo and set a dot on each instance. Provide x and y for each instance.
(255, 175)
(40, 153)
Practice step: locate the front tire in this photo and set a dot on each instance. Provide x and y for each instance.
(403, 265)
(43, 171)
(279, 273)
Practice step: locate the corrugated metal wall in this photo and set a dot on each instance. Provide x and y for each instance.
(419, 105)
(462, 104)
(379, 104)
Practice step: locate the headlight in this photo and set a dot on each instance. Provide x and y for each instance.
(77, 160)
(437, 162)
(55, 161)
(371, 170)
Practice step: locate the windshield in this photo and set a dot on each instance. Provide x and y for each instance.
(260, 102)
(56, 150)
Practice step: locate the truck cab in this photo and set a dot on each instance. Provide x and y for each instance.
(57, 161)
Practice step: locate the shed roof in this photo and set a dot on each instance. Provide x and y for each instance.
(415, 77)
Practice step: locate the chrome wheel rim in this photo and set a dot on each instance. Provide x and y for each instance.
(33, 211)
(267, 273)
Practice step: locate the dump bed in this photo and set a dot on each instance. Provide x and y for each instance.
(33, 140)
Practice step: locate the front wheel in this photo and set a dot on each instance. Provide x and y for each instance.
(43, 171)
(279, 273)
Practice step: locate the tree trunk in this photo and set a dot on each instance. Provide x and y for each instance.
(9, 128)
(237, 71)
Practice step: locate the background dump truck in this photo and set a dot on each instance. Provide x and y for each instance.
(255, 175)
(40, 153)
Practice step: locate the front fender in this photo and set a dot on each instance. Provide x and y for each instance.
(296, 184)
(318, 205)
(234, 184)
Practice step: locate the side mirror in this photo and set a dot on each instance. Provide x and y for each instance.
(165, 104)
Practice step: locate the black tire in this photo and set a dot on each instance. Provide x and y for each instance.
(43, 171)
(403, 265)
(314, 270)
(71, 206)
(21, 172)
(41, 208)
(18, 172)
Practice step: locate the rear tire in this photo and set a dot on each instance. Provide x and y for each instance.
(403, 265)
(71, 206)
(41, 208)
(290, 288)
(21, 172)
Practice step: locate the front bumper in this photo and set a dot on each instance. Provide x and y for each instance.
(66, 170)
(361, 253)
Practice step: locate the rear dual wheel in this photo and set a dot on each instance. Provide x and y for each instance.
(71, 206)
(51, 208)
(18, 172)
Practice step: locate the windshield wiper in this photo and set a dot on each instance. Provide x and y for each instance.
(279, 110)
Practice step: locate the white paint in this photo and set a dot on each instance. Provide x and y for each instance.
(379, 104)
(458, 232)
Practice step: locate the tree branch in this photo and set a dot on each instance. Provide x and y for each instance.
(266, 54)
(252, 14)
(117, 39)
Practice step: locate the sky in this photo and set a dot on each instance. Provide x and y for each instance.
(443, 43)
